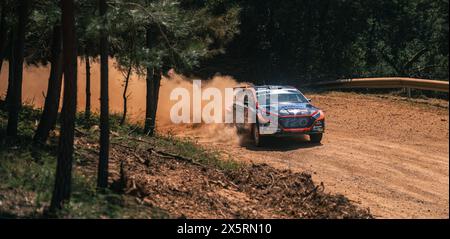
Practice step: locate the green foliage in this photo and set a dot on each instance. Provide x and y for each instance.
(303, 40)
(407, 38)
(42, 17)
(180, 37)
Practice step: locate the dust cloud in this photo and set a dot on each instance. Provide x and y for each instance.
(35, 85)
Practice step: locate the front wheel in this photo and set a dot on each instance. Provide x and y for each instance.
(316, 138)
(257, 138)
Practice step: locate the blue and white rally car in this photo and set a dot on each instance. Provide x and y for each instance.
(278, 111)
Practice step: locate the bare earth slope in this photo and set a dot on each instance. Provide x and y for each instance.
(386, 153)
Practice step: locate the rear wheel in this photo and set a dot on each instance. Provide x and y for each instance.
(316, 138)
(257, 138)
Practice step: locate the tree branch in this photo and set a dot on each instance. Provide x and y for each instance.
(415, 58)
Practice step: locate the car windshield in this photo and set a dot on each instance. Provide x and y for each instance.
(283, 97)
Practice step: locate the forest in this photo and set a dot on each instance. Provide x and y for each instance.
(307, 41)
(258, 41)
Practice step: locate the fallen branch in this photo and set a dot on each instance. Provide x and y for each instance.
(80, 132)
(124, 146)
(273, 181)
(139, 158)
(314, 190)
(173, 156)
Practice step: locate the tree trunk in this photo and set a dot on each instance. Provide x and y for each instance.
(11, 65)
(148, 102)
(10, 78)
(153, 82)
(3, 33)
(15, 98)
(87, 110)
(102, 179)
(51, 107)
(156, 86)
(63, 177)
(125, 96)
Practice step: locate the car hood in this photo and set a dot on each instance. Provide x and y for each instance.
(291, 108)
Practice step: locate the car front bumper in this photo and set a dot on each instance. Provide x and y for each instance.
(318, 127)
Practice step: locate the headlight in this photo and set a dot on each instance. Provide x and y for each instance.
(316, 115)
(284, 112)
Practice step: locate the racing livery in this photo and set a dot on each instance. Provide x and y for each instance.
(291, 110)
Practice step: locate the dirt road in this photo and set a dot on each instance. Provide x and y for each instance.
(385, 153)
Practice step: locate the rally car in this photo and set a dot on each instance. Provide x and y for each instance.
(278, 111)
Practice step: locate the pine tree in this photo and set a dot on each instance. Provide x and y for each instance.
(102, 177)
(50, 113)
(3, 32)
(15, 88)
(63, 177)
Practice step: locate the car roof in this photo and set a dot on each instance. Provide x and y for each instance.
(275, 89)
(271, 89)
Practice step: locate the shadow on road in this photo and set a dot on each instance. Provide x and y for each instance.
(273, 144)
